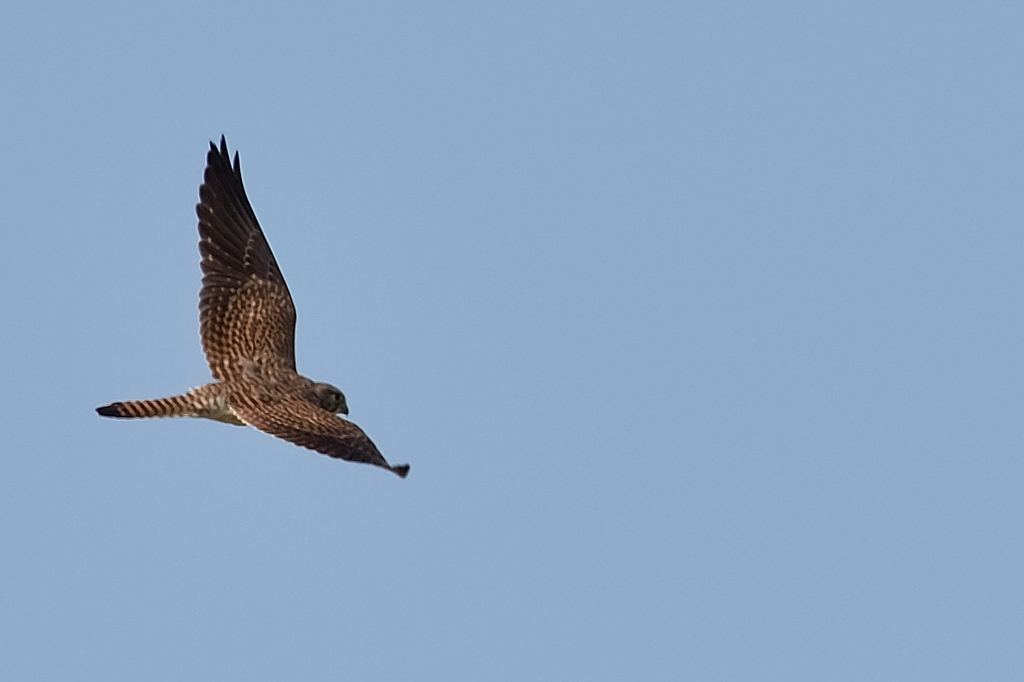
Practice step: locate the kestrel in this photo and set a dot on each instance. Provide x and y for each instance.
(247, 328)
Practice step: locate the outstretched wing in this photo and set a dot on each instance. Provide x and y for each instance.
(303, 423)
(245, 310)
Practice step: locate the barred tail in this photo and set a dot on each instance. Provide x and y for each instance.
(176, 406)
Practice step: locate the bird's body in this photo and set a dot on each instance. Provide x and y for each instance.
(247, 327)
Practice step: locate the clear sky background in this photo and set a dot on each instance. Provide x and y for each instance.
(700, 324)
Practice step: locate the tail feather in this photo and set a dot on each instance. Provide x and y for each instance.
(177, 406)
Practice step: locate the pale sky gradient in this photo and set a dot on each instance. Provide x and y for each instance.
(700, 324)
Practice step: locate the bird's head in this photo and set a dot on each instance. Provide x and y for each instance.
(331, 399)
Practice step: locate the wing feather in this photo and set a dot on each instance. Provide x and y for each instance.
(303, 423)
(245, 309)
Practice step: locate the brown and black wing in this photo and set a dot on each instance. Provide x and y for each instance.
(245, 310)
(303, 423)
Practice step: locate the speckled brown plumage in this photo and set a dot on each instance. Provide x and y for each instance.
(247, 328)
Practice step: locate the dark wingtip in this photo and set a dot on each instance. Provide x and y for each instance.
(402, 470)
(222, 150)
(111, 410)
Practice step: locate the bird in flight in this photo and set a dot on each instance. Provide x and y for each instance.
(247, 328)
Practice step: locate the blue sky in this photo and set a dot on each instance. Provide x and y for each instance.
(699, 323)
